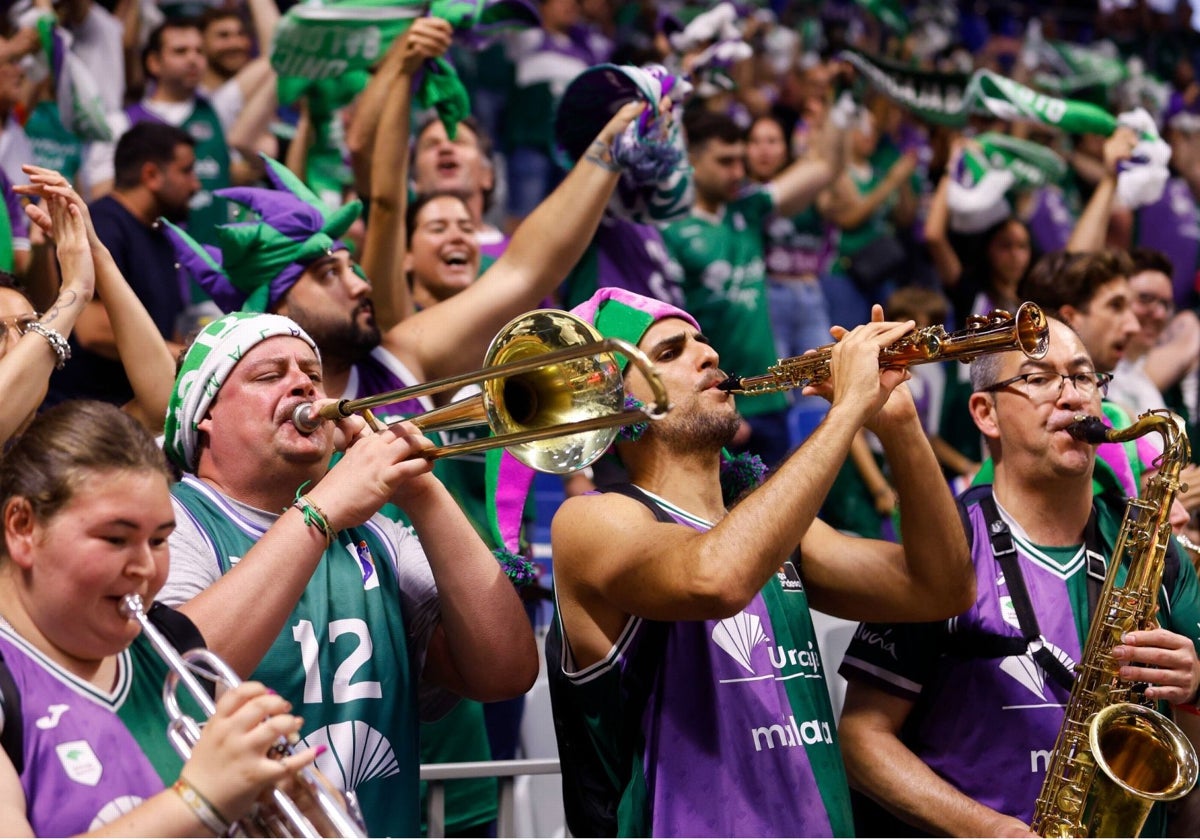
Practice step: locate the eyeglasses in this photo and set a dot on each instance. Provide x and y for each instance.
(1045, 386)
(16, 325)
(1149, 299)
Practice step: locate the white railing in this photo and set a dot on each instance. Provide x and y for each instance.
(504, 771)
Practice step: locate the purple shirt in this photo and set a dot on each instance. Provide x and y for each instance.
(83, 768)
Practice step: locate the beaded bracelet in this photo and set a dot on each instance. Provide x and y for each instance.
(58, 344)
(204, 810)
(314, 517)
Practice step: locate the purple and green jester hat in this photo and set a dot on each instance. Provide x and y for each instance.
(254, 263)
(615, 313)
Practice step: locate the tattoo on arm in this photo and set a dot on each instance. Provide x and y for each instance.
(65, 301)
(600, 154)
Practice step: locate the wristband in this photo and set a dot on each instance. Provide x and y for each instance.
(204, 810)
(314, 517)
(60, 346)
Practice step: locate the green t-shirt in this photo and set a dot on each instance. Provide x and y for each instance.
(54, 147)
(724, 287)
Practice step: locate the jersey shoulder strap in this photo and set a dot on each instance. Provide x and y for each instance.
(12, 731)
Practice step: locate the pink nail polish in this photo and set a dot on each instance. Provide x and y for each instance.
(322, 749)
(271, 691)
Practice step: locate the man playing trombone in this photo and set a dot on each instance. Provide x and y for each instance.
(341, 611)
(687, 686)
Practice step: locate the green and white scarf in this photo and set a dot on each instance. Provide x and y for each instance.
(325, 50)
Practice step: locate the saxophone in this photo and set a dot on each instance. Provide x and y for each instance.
(1115, 756)
(997, 332)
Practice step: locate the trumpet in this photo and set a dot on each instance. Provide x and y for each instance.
(279, 815)
(997, 332)
(552, 394)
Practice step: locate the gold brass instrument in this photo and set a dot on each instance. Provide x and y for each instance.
(552, 394)
(277, 814)
(996, 332)
(1115, 757)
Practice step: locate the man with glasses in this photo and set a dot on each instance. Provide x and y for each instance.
(1164, 350)
(949, 726)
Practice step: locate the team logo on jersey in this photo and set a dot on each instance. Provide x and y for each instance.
(1026, 671)
(79, 762)
(789, 577)
(53, 714)
(738, 636)
(366, 562)
(741, 634)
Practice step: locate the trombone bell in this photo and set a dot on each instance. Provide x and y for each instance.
(556, 394)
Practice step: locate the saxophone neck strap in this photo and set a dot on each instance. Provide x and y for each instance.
(1005, 551)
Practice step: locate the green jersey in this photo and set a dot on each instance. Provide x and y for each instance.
(724, 287)
(351, 653)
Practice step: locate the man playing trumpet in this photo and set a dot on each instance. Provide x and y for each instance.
(687, 686)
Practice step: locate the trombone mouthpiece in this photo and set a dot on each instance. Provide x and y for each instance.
(1089, 429)
(305, 419)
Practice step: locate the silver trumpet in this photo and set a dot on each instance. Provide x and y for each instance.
(276, 814)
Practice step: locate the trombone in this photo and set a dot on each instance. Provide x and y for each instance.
(552, 393)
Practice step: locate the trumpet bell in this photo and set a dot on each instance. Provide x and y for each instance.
(583, 388)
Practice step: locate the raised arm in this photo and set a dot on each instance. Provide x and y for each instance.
(1091, 231)
(937, 226)
(451, 337)
(849, 209)
(384, 250)
(796, 187)
(483, 647)
(148, 359)
(881, 766)
(667, 572)
(25, 369)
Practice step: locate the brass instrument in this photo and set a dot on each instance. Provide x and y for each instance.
(277, 814)
(996, 332)
(552, 394)
(1115, 757)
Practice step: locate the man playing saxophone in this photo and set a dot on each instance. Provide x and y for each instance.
(683, 645)
(950, 726)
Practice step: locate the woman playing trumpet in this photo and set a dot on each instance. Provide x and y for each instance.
(86, 514)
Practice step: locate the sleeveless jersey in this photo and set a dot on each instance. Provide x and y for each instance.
(343, 660)
(724, 287)
(89, 755)
(707, 728)
(972, 705)
(206, 210)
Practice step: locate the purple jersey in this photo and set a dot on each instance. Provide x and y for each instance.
(1051, 220)
(83, 767)
(973, 699)
(379, 373)
(735, 735)
(1172, 225)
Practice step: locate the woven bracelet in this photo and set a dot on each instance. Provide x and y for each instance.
(314, 517)
(204, 810)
